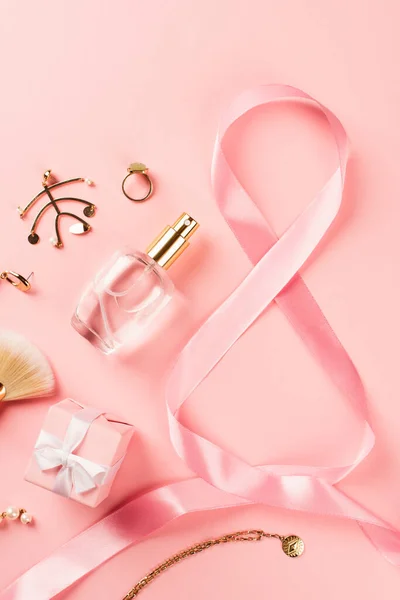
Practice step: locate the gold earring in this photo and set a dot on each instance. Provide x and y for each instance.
(12, 513)
(138, 169)
(17, 280)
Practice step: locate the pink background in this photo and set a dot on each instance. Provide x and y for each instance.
(88, 87)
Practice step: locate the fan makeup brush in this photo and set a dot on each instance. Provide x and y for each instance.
(24, 371)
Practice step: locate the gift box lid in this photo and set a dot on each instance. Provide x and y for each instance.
(106, 441)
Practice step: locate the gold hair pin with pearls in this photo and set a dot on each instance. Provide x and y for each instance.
(81, 226)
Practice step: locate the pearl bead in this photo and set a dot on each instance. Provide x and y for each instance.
(26, 518)
(89, 181)
(55, 242)
(12, 512)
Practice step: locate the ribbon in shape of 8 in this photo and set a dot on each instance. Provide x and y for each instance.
(275, 277)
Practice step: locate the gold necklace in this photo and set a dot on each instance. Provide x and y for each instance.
(292, 545)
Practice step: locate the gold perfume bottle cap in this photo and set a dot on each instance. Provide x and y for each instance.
(172, 241)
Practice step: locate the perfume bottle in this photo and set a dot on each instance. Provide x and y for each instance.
(119, 306)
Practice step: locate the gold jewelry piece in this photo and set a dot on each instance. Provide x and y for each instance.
(17, 280)
(12, 513)
(138, 169)
(292, 546)
(77, 228)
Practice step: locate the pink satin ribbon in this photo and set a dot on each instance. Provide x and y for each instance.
(224, 479)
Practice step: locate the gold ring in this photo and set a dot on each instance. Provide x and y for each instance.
(138, 169)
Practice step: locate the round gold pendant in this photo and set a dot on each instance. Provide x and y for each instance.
(293, 546)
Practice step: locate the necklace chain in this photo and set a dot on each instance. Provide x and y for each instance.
(250, 535)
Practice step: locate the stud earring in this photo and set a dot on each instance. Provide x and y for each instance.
(78, 228)
(17, 280)
(13, 513)
(138, 169)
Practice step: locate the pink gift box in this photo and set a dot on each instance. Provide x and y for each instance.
(93, 463)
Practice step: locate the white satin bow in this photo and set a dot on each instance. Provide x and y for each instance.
(75, 472)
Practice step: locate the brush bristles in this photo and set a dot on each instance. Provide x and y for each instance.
(24, 371)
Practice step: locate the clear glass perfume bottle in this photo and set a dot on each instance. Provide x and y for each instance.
(119, 304)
